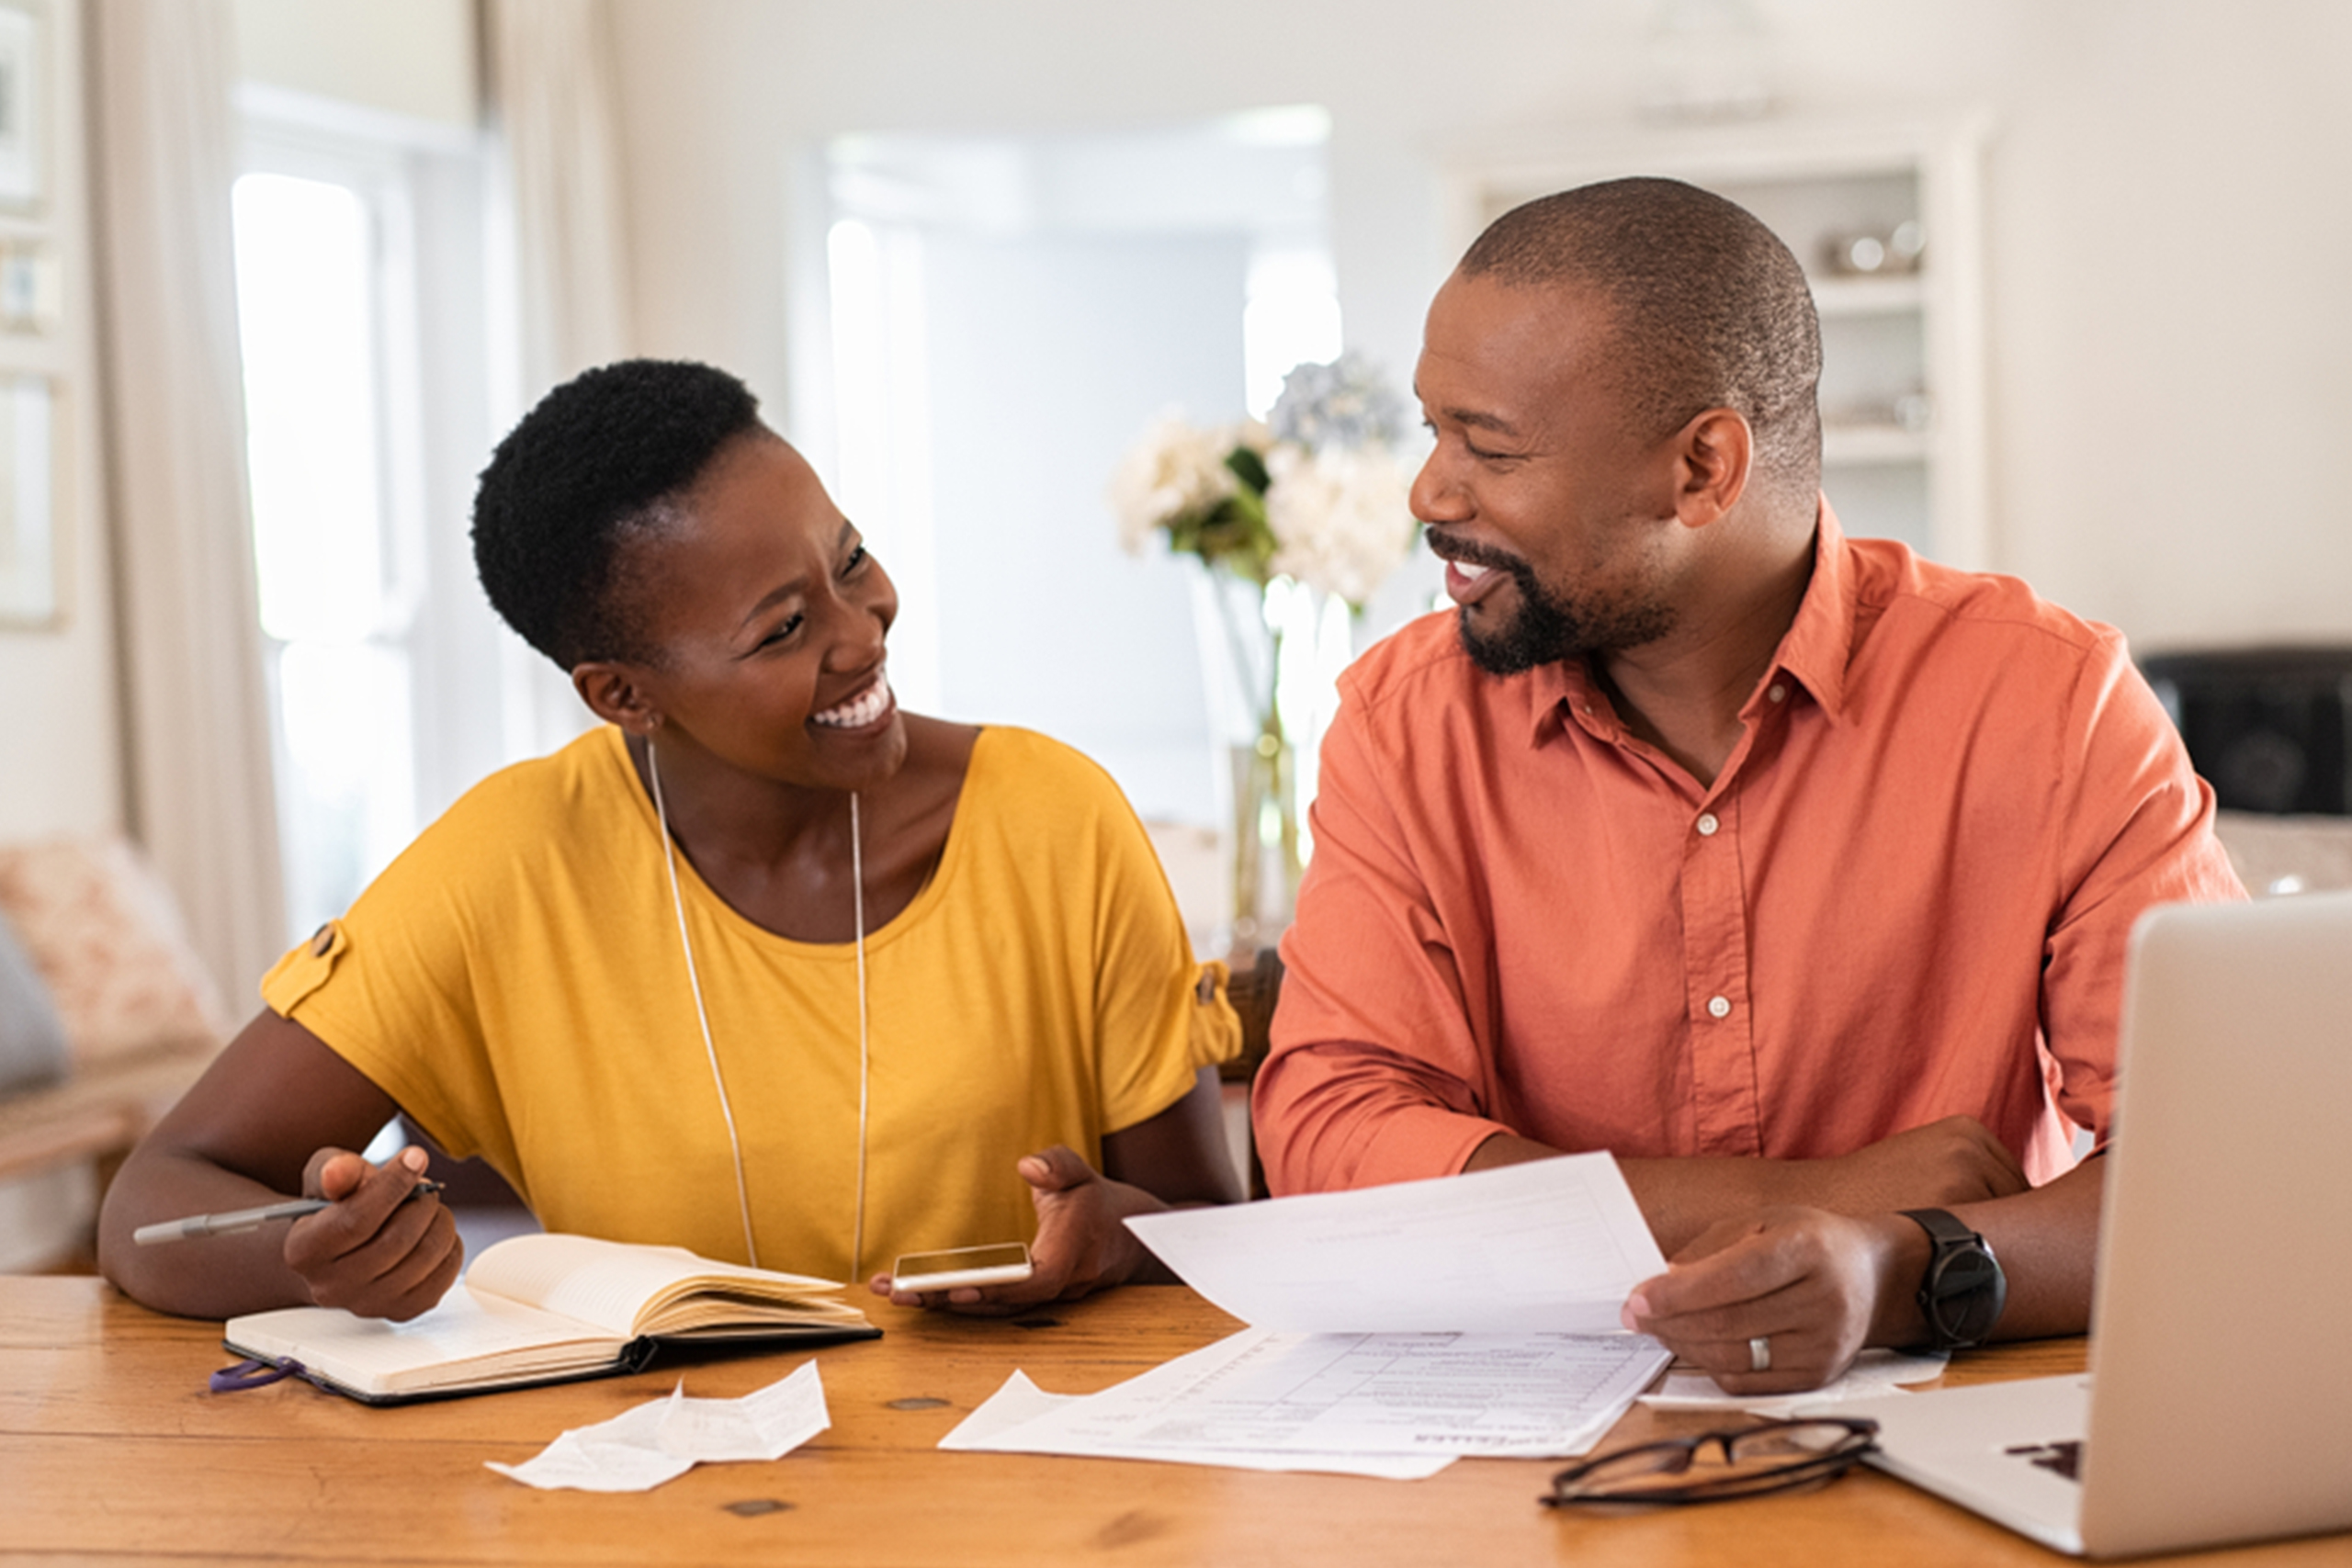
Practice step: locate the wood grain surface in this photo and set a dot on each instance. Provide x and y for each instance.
(111, 1450)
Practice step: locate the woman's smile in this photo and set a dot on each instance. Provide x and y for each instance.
(870, 708)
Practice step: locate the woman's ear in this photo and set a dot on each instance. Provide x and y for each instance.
(612, 692)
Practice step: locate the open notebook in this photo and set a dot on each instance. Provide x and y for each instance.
(537, 1309)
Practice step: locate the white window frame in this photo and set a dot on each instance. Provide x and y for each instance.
(436, 333)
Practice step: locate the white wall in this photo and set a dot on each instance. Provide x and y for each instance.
(61, 764)
(412, 58)
(1043, 620)
(2171, 215)
(2169, 200)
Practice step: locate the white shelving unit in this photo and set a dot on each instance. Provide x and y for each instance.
(1903, 371)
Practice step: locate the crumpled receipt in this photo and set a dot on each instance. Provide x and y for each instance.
(1873, 1372)
(663, 1438)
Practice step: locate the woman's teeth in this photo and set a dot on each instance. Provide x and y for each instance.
(861, 709)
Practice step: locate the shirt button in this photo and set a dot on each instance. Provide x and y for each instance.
(1719, 1007)
(1707, 824)
(1777, 692)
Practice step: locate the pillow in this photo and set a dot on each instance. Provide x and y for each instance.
(105, 935)
(33, 1041)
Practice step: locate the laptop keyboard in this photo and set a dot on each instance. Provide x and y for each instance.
(2062, 1458)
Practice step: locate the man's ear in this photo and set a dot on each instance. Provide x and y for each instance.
(1713, 455)
(613, 694)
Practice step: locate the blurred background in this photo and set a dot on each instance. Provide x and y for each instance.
(276, 274)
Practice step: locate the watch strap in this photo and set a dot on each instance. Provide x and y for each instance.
(1943, 1227)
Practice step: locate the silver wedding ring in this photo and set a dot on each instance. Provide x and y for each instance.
(1760, 1354)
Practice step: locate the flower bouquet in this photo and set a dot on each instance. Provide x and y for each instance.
(1309, 505)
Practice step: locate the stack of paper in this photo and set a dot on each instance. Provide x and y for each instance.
(1393, 1329)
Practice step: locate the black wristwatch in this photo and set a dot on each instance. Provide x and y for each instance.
(1965, 1291)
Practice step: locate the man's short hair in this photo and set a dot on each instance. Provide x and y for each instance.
(598, 461)
(1710, 309)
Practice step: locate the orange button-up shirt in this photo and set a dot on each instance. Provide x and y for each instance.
(1906, 894)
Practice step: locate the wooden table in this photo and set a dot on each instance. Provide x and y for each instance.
(112, 1452)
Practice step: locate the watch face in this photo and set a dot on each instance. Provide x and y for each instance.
(1967, 1291)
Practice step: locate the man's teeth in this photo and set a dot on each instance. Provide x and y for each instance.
(861, 709)
(1474, 573)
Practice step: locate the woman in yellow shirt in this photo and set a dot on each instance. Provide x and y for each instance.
(763, 967)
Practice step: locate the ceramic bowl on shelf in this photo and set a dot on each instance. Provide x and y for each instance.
(1867, 252)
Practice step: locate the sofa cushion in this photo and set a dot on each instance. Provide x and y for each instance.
(33, 1041)
(105, 935)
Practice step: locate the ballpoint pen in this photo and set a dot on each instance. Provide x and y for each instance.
(236, 1219)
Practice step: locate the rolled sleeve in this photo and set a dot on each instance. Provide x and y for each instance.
(1160, 1016)
(1374, 1075)
(2138, 833)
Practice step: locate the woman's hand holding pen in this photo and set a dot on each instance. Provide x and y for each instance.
(381, 1250)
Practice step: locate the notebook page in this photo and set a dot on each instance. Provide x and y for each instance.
(372, 1353)
(613, 1284)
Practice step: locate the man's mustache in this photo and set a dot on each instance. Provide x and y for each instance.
(1448, 547)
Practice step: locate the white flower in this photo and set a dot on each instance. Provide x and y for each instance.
(1175, 469)
(1341, 518)
(1346, 403)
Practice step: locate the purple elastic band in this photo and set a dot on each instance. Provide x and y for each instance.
(252, 1372)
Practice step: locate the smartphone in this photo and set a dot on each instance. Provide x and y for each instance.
(1003, 1264)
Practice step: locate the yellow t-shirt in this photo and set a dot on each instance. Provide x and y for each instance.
(516, 981)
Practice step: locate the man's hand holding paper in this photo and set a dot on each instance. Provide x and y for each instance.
(1802, 1280)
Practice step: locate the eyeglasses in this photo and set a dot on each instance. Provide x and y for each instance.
(1778, 1456)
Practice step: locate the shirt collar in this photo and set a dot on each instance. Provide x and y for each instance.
(1554, 688)
(1813, 651)
(1820, 641)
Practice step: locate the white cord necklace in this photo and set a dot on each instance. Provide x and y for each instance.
(702, 1016)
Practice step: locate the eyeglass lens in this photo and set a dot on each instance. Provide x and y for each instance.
(1726, 1463)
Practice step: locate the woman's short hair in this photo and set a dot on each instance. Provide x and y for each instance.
(602, 459)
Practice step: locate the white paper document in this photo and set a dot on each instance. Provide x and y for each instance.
(1394, 1330)
(1874, 1372)
(1553, 1246)
(662, 1439)
(1266, 1394)
(998, 1426)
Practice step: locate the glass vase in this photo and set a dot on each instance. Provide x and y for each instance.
(1266, 859)
(1250, 634)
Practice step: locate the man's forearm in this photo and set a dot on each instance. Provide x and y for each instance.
(2047, 1243)
(1944, 1164)
(1678, 1198)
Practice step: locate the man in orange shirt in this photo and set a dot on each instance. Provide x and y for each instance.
(1794, 869)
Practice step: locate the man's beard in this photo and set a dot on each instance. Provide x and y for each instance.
(1546, 629)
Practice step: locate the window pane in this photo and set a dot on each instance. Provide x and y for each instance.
(305, 298)
(347, 799)
(310, 295)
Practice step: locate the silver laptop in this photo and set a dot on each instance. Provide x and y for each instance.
(2221, 1409)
